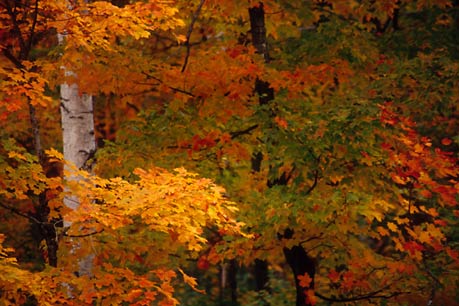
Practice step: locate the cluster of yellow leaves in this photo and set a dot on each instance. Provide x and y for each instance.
(12, 278)
(23, 175)
(19, 86)
(175, 207)
(96, 25)
(175, 203)
(179, 206)
(18, 285)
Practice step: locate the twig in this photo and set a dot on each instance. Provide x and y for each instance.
(188, 34)
(84, 235)
(162, 82)
(20, 213)
(32, 28)
(372, 295)
(246, 131)
(314, 184)
(16, 28)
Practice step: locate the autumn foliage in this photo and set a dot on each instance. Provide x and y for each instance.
(248, 153)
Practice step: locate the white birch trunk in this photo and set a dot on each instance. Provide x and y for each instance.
(77, 119)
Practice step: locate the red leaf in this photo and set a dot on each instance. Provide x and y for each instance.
(305, 280)
(334, 276)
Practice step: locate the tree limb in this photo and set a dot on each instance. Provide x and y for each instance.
(20, 213)
(84, 235)
(188, 34)
(372, 295)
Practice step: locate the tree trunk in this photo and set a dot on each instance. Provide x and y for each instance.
(258, 30)
(265, 94)
(301, 264)
(77, 118)
(46, 228)
(232, 274)
(261, 275)
(296, 257)
(228, 282)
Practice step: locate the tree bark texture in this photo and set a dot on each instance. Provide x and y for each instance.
(258, 29)
(296, 257)
(46, 228)
(77, 118)
(301, 264)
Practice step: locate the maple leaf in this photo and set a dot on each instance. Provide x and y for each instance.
(304, 280)
(334, 276)
(311, 298)
(191, 281)
(281, 122)
(382, 231)
(392, 226)
(414, 249)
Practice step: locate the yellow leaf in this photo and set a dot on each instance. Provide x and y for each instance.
(54, 153)
(336, 178)
(16, 155)
(392, 226)
(382, 231)
(191, 281)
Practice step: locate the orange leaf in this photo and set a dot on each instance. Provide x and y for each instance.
(382, 231)
(191, 281)
(281, 122)
(305, 280)
(392, 226)
(334, 276)
(311, 297)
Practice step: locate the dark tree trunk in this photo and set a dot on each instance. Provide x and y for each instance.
(301, 264)
(258, 29)
(261, 275)
(265, 95)
(296, 257)
(265, 92)
(232, 281)
(42, 228)
(46, 227)
(228, 282)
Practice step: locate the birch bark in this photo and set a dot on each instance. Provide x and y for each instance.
(77, 119)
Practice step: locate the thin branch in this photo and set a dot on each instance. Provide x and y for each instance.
(32, 28)
(372, 295)
(246, 131)
(84, 235)
(22, 214)
(16, 28)
(149, 76)
(188, 34)
(314, 184)
(312, 238)
(6, 52)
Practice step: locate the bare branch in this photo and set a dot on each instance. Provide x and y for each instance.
(84, 235)
(243, 132)
(149, 76)
(32, 28)
(20, 213)
(372, 295)
(188, 34)
(314, 184)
